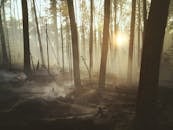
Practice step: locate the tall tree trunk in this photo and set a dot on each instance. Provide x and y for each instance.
(27, 64)
(6, 35)
(104, 52)
(62, 41)
(83, 39)
(91, 37)
(39, 37)
(74, 34)
(55, 29)
(115, 16)
(139, 33)
(144, 12)
(131, 42)
(47, 41)
(146, 111)
(5, 60)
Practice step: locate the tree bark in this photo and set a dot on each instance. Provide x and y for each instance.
(131, 42)
(27, 64)
(75, 50)
(104, 52)
(146, 108)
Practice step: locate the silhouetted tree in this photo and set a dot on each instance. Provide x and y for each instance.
(91, 37)
(146, 111)
(104, 44)
(74, 34)
(27, 66)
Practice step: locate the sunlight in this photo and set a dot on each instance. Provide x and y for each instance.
(119, 39)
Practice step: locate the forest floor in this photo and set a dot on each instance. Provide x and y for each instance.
(48, 102)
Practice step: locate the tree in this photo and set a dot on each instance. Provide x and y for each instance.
(131, 42)
(144, 12)
(91, 37)
(104, 51)
(27, 66)
(5, 29)
(62, 41)
(75, 50)
(146, 110)
(5, 60)
(139, 32)
(39, 37)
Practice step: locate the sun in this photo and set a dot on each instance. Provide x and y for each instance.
(119, 39)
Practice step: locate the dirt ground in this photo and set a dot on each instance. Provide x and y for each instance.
(46, 103)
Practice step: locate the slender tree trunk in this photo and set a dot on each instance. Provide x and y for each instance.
(139, 32)
(62, 42)
(83, 43)
(39, 37)
(144, 12)
(47, 41)
(62, 49)
(27, 64)
(115, 16)
(55, 29)
(104, 52)
(146, 111)
(75, 49)
(131, 42)
(91, 37)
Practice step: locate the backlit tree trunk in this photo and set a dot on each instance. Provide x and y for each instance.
(74, 34)
(104, 51)
(39, 37)
(91, 37)
(146, 111)
(27, 64)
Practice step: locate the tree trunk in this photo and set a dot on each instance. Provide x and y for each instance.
(139, 33)
(104, 44)
(6, 35)
(144, 12)
(131, 42)
(146, 111)
(55, 29)
(47, 42)
(27, 64)
(39, 37)
(62, 42)
(74, 34)
(115, 17)
(91, 37)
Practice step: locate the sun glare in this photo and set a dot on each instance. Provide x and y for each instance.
(119, 39)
